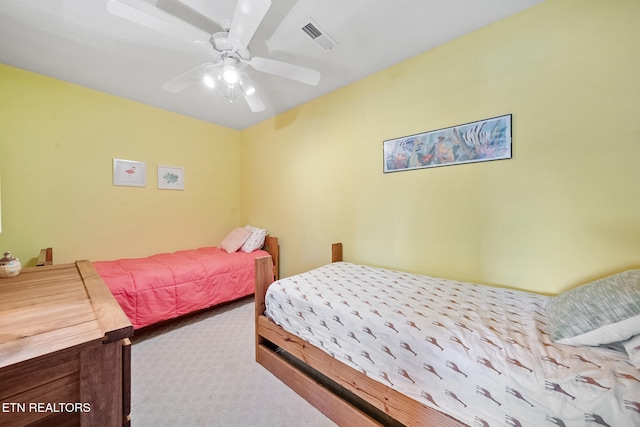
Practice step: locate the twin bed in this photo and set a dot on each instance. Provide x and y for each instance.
(165, 286)
(371, 346)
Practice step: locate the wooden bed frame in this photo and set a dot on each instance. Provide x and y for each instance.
(345, 395)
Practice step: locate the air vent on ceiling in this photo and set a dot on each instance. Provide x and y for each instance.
(319, 36)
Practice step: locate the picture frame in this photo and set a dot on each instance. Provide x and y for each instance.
(129, 173)
(480, 141)
(170, 178)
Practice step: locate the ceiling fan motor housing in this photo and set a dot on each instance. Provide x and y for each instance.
(222, 44)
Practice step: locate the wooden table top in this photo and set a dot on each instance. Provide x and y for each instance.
(46, 309)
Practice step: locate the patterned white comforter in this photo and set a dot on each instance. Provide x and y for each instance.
(478, 353)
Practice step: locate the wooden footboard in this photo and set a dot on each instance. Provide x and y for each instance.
(345, 395)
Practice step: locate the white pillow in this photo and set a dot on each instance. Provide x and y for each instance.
(600, 312)
(632, 346)
(234, 240)
(255, 240)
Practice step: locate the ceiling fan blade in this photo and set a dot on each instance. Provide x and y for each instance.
(143, 13)
(246, 20)
(187, 79)
(284, 69)
(255, 102)
(190, 14)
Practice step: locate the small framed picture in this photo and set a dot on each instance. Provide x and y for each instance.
(129, 173)
(170, 178)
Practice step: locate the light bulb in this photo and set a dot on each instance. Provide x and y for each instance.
(247, 85)
(249, 90)
(209, 81)
(230, 75)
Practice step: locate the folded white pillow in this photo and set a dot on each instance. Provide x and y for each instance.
(255, 240)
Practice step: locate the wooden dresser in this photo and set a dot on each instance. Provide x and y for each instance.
(65, 356)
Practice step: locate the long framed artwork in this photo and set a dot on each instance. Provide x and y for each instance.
(129, 173)
(480, 141)
(170, 178)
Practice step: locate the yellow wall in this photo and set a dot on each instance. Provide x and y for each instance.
(58, 142)
(564, 210)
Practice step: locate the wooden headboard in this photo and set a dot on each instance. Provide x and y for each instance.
(336, 252)
(271, 245)
(45, 257)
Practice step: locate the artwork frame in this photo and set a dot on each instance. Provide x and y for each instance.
(170, 178)
(479, 141)
(129, 173)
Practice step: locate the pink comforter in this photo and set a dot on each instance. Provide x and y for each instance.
(165, 286)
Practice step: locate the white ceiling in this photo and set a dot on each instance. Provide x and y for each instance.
(80, 42)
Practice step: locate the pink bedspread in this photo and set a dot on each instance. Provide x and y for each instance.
(165, 286)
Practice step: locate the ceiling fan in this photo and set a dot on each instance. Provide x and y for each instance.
(230, 49)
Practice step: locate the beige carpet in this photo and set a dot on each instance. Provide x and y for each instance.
(200, 371)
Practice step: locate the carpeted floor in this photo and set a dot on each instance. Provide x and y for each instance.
(200, 371)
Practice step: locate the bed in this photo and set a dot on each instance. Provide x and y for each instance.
(370, 346)
(165, 286)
